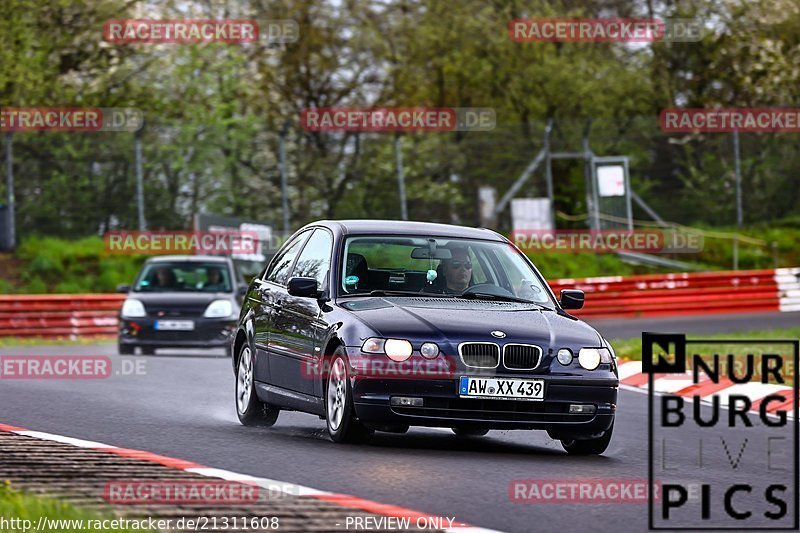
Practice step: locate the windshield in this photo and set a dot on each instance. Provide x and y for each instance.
(438, 266)
(184, 276)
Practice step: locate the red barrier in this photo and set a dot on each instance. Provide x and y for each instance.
(69, 316)
(81, 315)
(676, 294)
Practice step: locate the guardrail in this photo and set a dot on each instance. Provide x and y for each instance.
(688, 293)
(75, 316)
(59, 315)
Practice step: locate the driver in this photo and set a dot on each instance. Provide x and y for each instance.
(457, 271)
(165, 278)
(215, 282)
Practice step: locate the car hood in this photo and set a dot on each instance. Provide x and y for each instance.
(456, 320)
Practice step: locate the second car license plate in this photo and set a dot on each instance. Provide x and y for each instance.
(174, 325)
(514, 389)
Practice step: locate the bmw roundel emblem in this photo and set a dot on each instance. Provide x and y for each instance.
(498, 334)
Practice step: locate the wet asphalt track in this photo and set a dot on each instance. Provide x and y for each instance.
(182, 406)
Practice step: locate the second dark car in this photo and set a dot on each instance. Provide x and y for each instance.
(180, 301)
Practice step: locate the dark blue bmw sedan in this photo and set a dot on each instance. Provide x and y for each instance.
(382, 325)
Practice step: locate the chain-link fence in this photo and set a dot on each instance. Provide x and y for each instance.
(75, 184)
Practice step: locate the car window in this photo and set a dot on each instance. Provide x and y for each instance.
(281, 266)
(434, 265)
(315, 259)
(184, 276)
(478, 275)
(519, 275)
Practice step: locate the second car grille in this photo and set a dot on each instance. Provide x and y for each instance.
(480, 354)
(521, 356)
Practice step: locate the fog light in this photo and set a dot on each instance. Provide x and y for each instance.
(581, 409)
(406, 401)
(429, 350)
(565, 356)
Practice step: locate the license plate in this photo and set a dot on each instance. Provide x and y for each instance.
(174, 325)
(512, 389)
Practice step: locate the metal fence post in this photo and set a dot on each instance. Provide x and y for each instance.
(11, 232)
(401, 178)
(137, 140)
(739, 214)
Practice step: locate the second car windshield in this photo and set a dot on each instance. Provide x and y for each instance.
(439, 266)
(184, 277)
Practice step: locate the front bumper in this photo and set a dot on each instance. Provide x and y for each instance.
(207, 333)
(443, 407)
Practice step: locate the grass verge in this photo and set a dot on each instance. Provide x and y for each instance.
(6, 342)
(21, 511)
(631, 349)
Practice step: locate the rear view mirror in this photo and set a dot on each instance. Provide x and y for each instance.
(426, 253)
(303, 287)
(571, 299)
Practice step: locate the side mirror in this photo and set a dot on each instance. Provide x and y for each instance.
(571, 299)
(242, 290)
(303, 287)
(124, 289)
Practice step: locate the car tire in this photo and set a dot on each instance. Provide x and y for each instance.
(125, 349)
(594, 446)
(470, 432)
(250, 410)
(343, 427)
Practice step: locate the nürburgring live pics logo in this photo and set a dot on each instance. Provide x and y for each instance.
(722, 433)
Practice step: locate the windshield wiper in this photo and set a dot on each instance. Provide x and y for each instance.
(500, 297)
(381, 292)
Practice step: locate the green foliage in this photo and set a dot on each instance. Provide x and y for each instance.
(214, 112)
(82, 266)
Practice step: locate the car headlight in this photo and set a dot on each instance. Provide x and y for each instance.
(373, 345)
(133, 308)
(565, 356)
(218, 309)
(591, 358)
(395, 349)
(429, 350)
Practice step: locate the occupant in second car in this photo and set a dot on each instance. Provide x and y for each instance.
(457, 271)
(165, 278)
(215, 280)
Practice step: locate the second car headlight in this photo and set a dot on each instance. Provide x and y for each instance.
(591, 358)
(218, 309)
(133, 308)
(395, 349)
